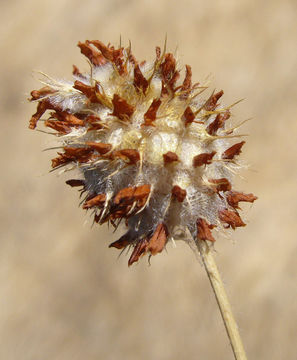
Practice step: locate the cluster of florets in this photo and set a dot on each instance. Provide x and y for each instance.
(151, 151)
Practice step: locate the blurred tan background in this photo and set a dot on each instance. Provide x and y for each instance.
(64, 294)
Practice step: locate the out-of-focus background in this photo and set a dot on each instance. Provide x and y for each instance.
(63, 293)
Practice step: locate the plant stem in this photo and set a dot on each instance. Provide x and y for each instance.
(222, 300)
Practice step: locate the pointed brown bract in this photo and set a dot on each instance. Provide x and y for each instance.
(170, 157)
(211, 103)
(203, 159)
(44, 91)
(101, 148)
(222, 184)
(106, 51)
(87, 90)
(168, 67)
(60, 126)
(218, 122)
(234, 197)
(179, 193)
(75, 71)
(139, 250)
(187, 83)
(43, 105)
(75, 182)
(121, 108)
(140, 82)
(94, 121)
(131, 155)
(232, 218)
(97, 200)
(159, 239)
(150, 115)
(91, 53)
(233, 151)
(203, 230)
(122, 242)
(70, 119)
(72, 154)
(130, 194)
(188, 116)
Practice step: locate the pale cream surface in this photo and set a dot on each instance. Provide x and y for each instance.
(64, 294)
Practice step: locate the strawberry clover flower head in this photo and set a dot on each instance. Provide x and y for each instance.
(150, 149)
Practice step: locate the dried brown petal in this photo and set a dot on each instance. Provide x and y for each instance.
(94, 121)
(232, 218)
(106, 52)
(43, 105)
(218, 122)
(222, 184)
(170, 157)
(98, 200)
(234, 197)
(203, 230)
(203, 159)
(121, 108)
(70, 119)
(187, 83)
(139, 250)
(92, 54)
(128, 154)
(122, 242)
(87, 90)
(60, 126)
(75, 71)
(188, 116)
(72, 154)
(75, 182)
(140, 82)
(233, 151)
(159, 239)
(168, 67)
(37, 94)
(101, 148)
(130, 194)
(179, 193)
(211, 103)
(150, 115)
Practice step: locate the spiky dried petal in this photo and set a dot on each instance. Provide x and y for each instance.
(101, 148)
(221, 184)
(97, 200)
(159, 239)
(150, 115)
(121, 108)
(203, 230)
(179, 193)
(218, 122)
(75, 182)
(170, 157)
(92, 54)
(187, 84)
(203, 159)
(234, 197)
(211, 103)
(232, 218)
(140, 82)
(233, 151)
(131, 155)
(122, 242)
(188, 116)
(139, 250)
